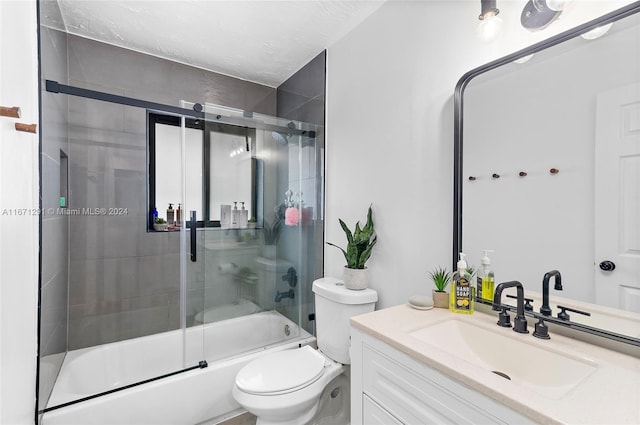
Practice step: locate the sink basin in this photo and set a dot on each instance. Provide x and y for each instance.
(517, 357)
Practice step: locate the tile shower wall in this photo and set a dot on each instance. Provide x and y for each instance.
(123, 281)
(302, 98)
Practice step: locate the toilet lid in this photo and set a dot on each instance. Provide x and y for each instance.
(283, 371)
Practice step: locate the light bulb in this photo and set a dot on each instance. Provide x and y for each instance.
(489, 28)
(597, 32)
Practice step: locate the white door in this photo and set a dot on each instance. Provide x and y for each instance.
(617, 199)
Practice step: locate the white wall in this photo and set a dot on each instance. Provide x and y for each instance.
(390, 128)
(18, 233)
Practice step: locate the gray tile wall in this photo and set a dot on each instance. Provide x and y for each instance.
(123, 281)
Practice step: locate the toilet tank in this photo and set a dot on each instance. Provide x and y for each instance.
(334, 306)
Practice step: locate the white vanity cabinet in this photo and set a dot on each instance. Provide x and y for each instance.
(389, 387)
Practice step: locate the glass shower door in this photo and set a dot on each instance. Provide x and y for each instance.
(191, 225)
(253, 276)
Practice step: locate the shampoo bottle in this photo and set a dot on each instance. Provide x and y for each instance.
(244, 217)
(179, 215)
(235, 216)
(170, 218)
(225, 216)
(485, 280)
(462, 289)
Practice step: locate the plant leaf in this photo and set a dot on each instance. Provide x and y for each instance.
(343, 251)
(367, 253)
(346, 231)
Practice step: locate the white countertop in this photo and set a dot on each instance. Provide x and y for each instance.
(610, 395)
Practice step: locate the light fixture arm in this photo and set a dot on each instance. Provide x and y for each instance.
(536, 15)
(488, 8)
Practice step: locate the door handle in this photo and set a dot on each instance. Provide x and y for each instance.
(194, 225)
(607, 266)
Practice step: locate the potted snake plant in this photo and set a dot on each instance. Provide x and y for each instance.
(441, 278)
(360, 245)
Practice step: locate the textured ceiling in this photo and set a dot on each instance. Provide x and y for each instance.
(257, 40)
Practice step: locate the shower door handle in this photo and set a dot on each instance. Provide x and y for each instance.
(194, 225)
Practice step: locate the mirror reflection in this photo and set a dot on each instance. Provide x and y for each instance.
(551, 168)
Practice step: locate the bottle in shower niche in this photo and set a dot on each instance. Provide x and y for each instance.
(235, 216)
(170, 215)
(462, 289)
(244, 217)
(485, 281)
(179, 215)
(225, 216)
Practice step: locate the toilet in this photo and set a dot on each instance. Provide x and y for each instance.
(284, 388)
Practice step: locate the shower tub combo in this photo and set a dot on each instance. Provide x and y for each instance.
(191, 397)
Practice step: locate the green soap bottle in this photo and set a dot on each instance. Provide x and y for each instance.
(485, 280)
(462, 291)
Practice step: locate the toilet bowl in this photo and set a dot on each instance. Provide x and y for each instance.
(285, 387)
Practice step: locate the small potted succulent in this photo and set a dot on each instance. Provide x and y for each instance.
(360, 244)
(159, 224)
(441, 278)
(251, 224)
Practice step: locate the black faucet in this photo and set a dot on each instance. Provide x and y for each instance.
(285, 294)
(520, 322)
(545, 309)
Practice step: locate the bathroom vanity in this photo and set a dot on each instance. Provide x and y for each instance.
(417, 367)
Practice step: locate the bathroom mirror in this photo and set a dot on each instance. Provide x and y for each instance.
(547, 164)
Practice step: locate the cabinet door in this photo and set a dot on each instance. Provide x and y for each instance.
(422, 396)
(373, 414)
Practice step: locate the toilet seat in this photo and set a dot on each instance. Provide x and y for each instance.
(281, 372)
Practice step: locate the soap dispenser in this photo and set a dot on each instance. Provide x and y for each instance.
(485, 280)
(244, 217)
(235, 216)
(170, 217)
(461, 300)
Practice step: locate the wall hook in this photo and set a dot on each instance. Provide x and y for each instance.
(495, 176)
(472, 178)
(554, 171)
(28, 128)
(13, 112)
(522, 174)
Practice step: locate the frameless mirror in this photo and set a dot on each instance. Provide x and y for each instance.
(548, 175)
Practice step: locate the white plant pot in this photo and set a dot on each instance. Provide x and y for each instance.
(356, 279)
(159, 227)
(269, 251)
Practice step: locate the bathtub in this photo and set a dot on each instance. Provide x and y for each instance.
(187, 398)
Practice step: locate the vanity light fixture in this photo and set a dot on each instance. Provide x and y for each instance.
(490, 25)
(539, 14)
(597, 32)
(557, 5)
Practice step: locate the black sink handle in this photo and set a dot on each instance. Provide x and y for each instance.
(527, 306)
(565, 316)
